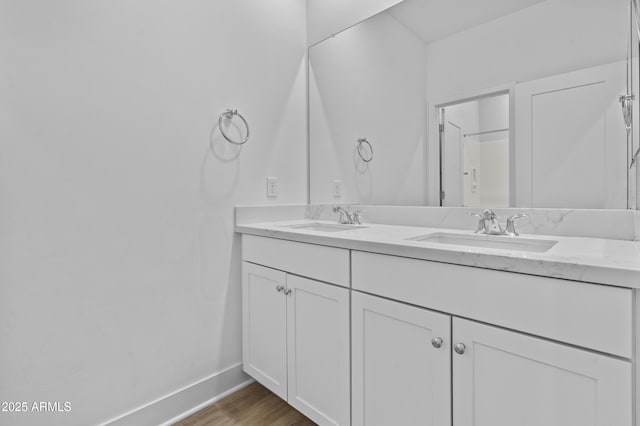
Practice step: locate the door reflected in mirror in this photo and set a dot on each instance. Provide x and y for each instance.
(474, 145)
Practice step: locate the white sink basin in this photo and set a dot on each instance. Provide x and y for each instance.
(325, 227)
(488, 241)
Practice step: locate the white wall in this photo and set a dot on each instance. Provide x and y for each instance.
(576, 34)
(368, 82)
(494, 179)
(494, 115)
(327, 17)
(119, 268)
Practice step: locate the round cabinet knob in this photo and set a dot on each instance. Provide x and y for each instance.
(436, 342)
(459, 348)
(287, 291)
(279, 288)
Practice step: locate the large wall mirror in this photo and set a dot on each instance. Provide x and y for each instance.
(492, 103)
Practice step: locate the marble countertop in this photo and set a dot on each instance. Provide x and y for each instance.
(594, 260)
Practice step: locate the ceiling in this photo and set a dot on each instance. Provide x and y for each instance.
(432, 20)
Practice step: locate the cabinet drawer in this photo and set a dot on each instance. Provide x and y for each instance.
(588, 315)
(322, 263)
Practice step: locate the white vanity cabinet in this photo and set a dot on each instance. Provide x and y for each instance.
(498, 376)
(504, 378)
(264, 326)
(296, 329)
(348, 336)
(401, 364)
(411, 366)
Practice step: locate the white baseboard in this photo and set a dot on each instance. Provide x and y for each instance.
(182, 403)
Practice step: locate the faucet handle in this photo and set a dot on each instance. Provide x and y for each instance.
(356, 216)
(482, 227)
(511, 224)
(488, 214)
(518, 216)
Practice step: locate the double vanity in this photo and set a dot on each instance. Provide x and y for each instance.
(412, 318)
(398, 325)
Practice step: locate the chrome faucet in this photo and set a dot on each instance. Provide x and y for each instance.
(347, 218)
(488, 223)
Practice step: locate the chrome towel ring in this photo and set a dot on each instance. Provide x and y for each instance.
(364, 157)
(228, 114)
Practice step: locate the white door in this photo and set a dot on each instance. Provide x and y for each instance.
(505, 378)
(318, 350)
(452, 165)
(571, 141)
(264, 322)
(399, 376)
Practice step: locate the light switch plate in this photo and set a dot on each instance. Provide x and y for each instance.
(272, 186)
(337, 188)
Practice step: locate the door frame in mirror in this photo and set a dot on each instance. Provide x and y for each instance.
(433, 150)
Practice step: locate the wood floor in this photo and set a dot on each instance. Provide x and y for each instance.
(250, 406)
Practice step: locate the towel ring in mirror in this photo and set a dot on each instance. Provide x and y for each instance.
(362, 155)
(228, 114)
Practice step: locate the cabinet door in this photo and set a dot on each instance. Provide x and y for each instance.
(264, 322)
(504, 378)
(399, 376)
(318, 349)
